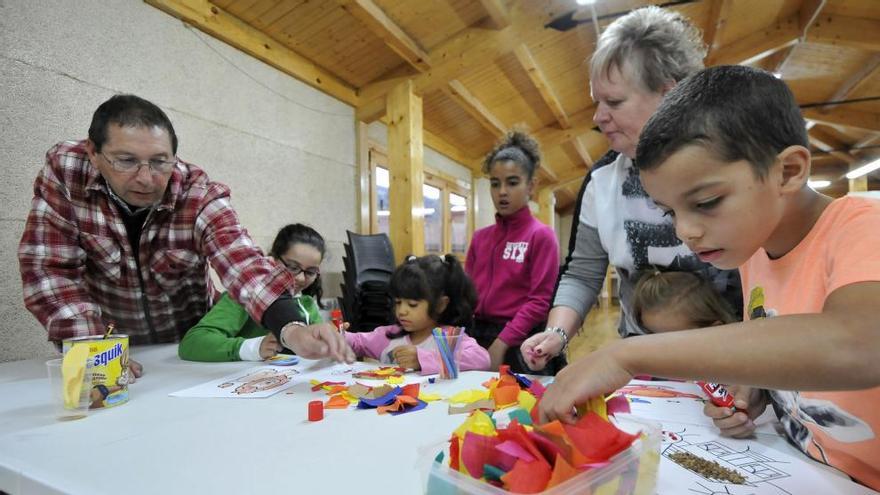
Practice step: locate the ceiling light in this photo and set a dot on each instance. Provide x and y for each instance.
(864, 169)
(818, 184)
(584, 2)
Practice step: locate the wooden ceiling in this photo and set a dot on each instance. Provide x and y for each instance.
(483, 66)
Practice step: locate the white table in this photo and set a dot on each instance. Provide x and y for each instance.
(161, 444)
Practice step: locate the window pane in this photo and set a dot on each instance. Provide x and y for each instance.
(382, 209)
(433, 219)
(458, 219)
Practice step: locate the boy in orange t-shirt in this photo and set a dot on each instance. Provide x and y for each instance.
(727, 156)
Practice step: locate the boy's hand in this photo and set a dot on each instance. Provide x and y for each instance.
(739, 424)
(406, 356)
(269, 346)
(591, 376)
(540, 348)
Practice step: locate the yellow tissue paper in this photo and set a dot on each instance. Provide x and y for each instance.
(468, 396)
(478, 422)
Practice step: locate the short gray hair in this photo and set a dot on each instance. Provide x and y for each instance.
(658, 46)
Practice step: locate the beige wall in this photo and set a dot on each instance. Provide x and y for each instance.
(286, 150)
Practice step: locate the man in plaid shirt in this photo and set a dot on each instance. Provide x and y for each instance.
(120, 230)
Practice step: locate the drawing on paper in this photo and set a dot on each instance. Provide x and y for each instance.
(261, 381)
(754, 467)
(656, 391)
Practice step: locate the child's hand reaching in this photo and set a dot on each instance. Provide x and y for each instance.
(406, 356)
(594, 375)
(269, 346)
(738, 424)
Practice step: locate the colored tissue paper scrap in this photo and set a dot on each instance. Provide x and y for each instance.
(521, 458)
(382, 373)
(386, 399)
(507, 390)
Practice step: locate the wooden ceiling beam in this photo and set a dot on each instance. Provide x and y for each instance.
(846, 31)
(374, 18)
(583, 151)
(856, 81)
(759, 44)
(443, 147)
(570, 177)
(552, 136)
(807, 15)
(844, 117)
(868, 140)
(498, 16)
(474, 107)
(829, 144)
(719, 11)
(230, 29)
(542, 84)
(472, 49)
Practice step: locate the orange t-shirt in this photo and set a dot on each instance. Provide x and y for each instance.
(841, 429)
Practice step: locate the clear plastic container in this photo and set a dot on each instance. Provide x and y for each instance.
(631, 472)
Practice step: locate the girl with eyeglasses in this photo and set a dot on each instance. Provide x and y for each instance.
(227, 333)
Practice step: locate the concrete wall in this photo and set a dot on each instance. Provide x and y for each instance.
(286, 150)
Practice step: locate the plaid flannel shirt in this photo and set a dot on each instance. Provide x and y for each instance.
(78, 267)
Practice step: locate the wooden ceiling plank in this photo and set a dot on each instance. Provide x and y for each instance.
(829, 144)
(583, 151)
(846, 31)
(498, 17)
(228, 28)
(719, 10)
(542, 84)
(375, 19)
(844, 117)
(474, 107)
(808, 13)
(474, 47)
(552, 136)
(758, 44)
(568, 178)
(868, 140)
(856, 81)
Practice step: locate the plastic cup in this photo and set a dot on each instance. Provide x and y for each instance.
(60, 410)
(448, 365)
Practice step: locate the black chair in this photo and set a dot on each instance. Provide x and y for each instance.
(369, 263)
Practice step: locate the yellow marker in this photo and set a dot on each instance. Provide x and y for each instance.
(73, 371)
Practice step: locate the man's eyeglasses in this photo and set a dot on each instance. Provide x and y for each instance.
(295, 269)
(133, 164)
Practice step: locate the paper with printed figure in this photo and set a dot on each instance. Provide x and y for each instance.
(265, 381)
(757, 467)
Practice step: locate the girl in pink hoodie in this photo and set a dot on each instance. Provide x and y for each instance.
(428, 292)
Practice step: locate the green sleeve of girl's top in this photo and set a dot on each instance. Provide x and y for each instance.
(219, 334)
(311, 308)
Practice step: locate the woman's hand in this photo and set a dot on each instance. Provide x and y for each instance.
(269, 346)
(406, 356)
(591, 376)
(496, 354)
(751, 403)
(540, 348)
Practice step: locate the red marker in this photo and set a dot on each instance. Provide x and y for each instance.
(718, 394)
(336, 317)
